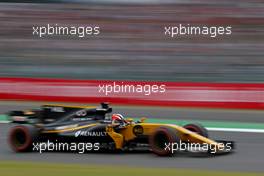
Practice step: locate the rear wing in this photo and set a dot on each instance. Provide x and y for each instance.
(23, 116)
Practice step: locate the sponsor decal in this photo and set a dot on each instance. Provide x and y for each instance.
(81, 119)
(56, 109)
(19, 118)
(138, 130)
(81, 113)
(90, 133)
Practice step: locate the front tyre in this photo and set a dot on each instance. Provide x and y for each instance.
(160, 140)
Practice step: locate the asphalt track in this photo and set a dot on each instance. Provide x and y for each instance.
(248, 157)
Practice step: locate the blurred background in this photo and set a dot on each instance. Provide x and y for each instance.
(132, 44)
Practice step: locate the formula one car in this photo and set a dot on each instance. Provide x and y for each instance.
(68, 124)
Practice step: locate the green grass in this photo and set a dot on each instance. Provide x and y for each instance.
(3, 117)
(12, 168)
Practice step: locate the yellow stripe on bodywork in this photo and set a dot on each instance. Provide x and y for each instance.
(69, 106)
(69, 129)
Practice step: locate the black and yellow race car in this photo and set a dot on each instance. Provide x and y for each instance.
(74, 124)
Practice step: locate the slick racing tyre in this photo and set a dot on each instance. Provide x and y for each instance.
(160, 140)
(197, 128)
(21, 137)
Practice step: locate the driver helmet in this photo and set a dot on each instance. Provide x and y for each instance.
(118, 118)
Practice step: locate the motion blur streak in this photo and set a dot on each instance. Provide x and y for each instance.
(214, 95)
(132, 44)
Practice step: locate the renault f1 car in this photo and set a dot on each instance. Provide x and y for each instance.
(94, 125)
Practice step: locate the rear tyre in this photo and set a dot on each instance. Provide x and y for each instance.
(197, 128)
(21, 137)
(161, 138)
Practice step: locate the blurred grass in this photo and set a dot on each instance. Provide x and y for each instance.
(13, 168)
